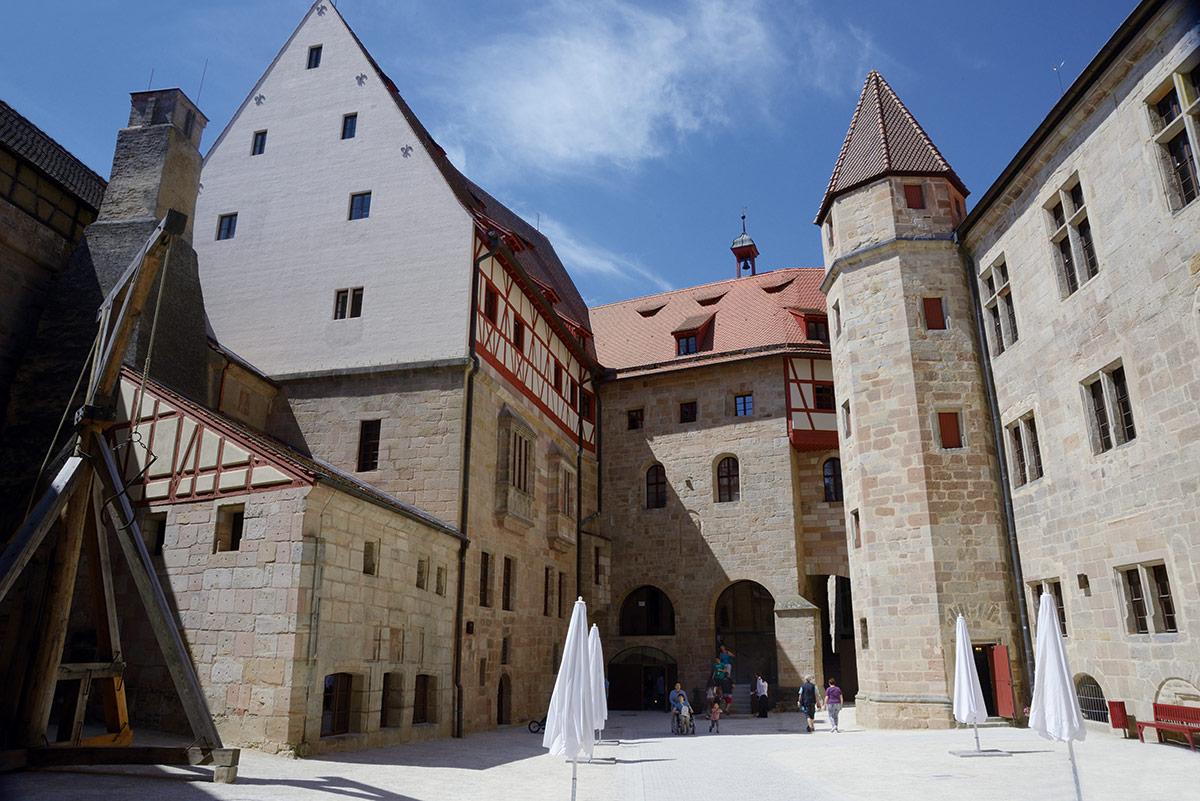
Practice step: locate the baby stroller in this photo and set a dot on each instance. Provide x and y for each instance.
(682, 723)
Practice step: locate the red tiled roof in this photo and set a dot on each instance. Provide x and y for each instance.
(884, 139)
(745, 318)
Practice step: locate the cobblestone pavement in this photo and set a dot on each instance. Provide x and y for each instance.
(639, 759)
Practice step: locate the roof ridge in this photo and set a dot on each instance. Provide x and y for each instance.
(700, 286)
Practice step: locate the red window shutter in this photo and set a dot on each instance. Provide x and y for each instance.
(935, 316)
(914, 196)
(948, 424)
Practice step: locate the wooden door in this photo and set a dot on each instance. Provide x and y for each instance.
(1002, 681)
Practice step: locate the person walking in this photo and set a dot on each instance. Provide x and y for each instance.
(833, 702)
(678, 691)
(762, 697)
(714, 716)
(727, 691)
(807, 701)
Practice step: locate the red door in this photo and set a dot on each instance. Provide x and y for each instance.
(1002, 681)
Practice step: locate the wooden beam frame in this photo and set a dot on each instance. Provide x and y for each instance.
(25, 542)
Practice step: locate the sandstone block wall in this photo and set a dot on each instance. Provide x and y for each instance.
(930, 540)
(777, 534)
(1094, 514)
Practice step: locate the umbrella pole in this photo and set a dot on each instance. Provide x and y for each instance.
(575, 770)
(976, 725)
(1074, 771)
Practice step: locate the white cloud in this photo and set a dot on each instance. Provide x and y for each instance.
(589, 263)
(609, 81)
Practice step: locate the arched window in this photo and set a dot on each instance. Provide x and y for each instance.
(1091, 698)
(833, 480)
(647, 611)
(656, 487)
(728, 485)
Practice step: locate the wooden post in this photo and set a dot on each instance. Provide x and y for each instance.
(25, 542)
(44, 672)
(108, 637)
(179, 661)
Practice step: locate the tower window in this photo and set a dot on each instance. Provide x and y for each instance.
(360, 206)
(637, 419)
(226, 226)
(832, 473)
(950, 430)
(914, 196)
(314, 57)
(349, 126)
(259, 145)
(743, 405)
(935, 314)
(687, 412)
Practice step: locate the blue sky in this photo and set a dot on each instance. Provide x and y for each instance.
(632, 132)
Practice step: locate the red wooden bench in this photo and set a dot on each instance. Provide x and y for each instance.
(1173, 717)
(1118, 717)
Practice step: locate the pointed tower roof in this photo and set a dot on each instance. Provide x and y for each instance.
(884, 139)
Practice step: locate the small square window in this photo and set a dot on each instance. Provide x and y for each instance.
(935, 314)
(260, 143)
(440, 587)
(823, 397)
(314, 57)
(368, 445)
(349, 126)
(950, 430)
(914, 196)
(574, 393)
(743, 405)
(423, 573)
(226, 226)
(637, 419)
(230, 525)
(687, 412)
(360, 206)
(585, 404)
(347, 303)
(846, 427)
(856, 528)
(558, 377)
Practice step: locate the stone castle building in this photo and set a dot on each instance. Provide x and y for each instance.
(406, 444)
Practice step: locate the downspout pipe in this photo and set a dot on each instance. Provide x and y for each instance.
(581, 521)
(989, 384)
(464, 498)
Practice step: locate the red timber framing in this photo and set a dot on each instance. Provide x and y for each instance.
(809, 428)
(193, 455)
(530, 370)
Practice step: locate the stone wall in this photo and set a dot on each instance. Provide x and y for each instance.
(930, 541)
(1097, 513)
(777, 534)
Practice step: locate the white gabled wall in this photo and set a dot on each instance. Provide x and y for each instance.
(269, 291)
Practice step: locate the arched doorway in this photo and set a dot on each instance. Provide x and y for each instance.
(504, 701)
(639, 677)
(744, 620)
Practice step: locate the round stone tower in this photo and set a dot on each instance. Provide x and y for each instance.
(922, 495)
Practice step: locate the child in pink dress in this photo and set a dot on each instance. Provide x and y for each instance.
(714, 715)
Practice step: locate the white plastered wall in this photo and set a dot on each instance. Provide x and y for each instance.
(269, 291)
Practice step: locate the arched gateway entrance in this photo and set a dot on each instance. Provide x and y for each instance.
(744, 620)
(638, 678)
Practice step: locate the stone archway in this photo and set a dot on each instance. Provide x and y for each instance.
(744, 620)
(634, 678)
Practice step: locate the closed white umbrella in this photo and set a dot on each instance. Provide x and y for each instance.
(1055, 712)
(569, 726)
(969, 705)
(599, 697)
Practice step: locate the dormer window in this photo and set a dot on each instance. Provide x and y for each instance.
(690, 336)
(816, 328)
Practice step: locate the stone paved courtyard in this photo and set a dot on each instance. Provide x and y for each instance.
(753, 759)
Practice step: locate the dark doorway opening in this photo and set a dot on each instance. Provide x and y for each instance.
(744, 620)
(831, 594)
(983, 666)
(639, 678)
(504, 701)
